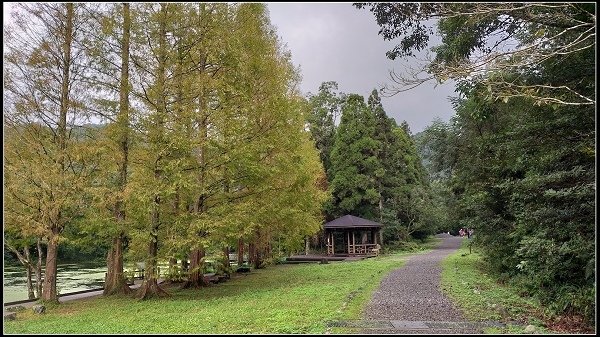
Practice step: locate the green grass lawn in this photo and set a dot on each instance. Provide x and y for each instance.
(297, 298)
(481, 298)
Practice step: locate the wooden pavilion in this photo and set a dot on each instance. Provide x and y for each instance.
(352, 236)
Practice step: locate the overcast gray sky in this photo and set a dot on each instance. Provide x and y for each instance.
(338, 42)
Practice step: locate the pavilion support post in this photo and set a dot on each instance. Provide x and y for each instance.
(348, 240)
(306, 245)
(353, 244)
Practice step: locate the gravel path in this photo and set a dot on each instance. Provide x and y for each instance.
(412, 293)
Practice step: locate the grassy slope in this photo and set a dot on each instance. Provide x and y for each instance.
(481, 298)
(278, 299)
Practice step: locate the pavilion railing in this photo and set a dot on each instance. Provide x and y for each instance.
(362, 249)
(357, 249)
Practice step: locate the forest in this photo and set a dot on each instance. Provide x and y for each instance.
(176, 131)
(517, 161)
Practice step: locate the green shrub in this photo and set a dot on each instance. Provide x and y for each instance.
(550, 268)
(570, 300)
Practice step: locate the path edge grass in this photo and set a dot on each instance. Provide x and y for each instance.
(481, 298)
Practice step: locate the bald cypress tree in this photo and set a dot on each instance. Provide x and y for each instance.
(115, 281)
(44, 104)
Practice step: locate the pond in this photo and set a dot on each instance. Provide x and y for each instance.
(71, 277)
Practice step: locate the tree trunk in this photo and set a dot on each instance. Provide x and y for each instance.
(196, 275)
(26, 262)
(116, 282)
(38, 268)
(109, 275)
(226, 263)
(151, 263)
(240, 252)
(257, 255)
(150, 287)
(251, 253)
(258, 258)
(49, 293)
(30, 292)
(64, 99)
(306, 246)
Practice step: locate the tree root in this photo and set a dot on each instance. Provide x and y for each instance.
(150, 289)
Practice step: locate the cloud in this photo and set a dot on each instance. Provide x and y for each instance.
(338, 42)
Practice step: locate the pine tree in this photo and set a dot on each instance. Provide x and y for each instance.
(355, 162)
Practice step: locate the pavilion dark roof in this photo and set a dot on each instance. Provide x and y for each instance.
(350, 221)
